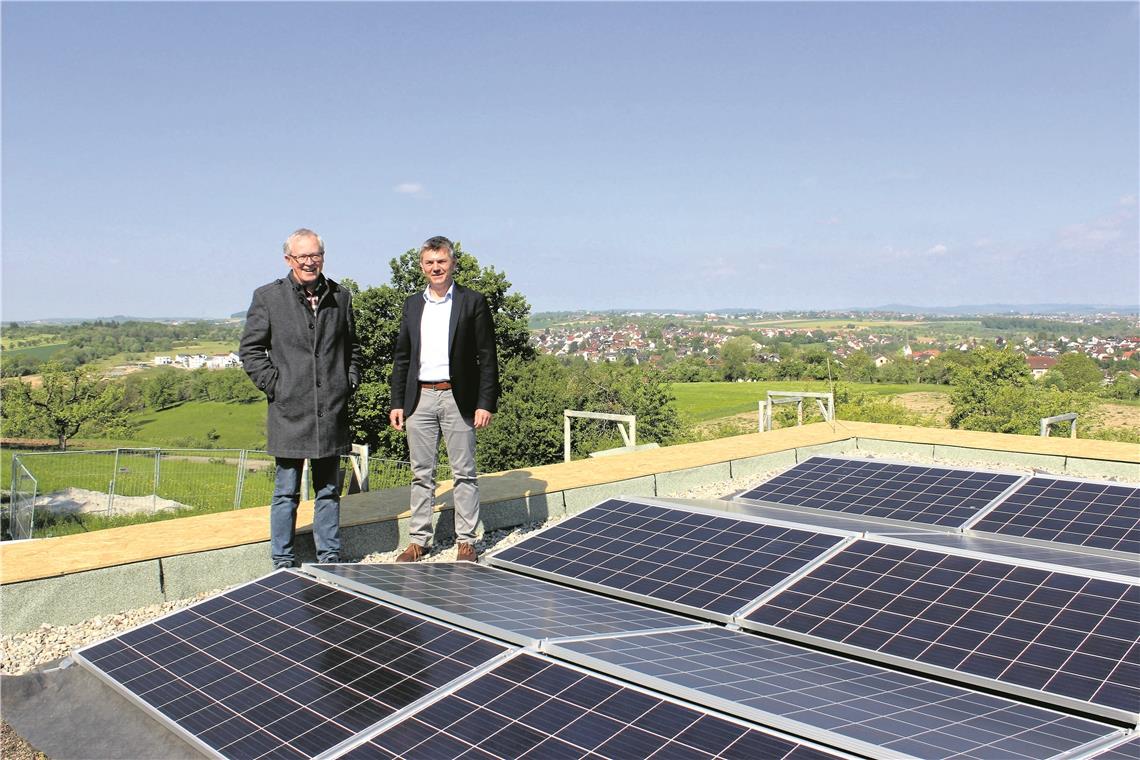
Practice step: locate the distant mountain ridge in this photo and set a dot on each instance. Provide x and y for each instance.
(1002, 309)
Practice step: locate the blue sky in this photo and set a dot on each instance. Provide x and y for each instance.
(603, 155)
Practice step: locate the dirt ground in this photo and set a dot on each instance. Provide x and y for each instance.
(936, 405)
(12, 747)
(1119, 416)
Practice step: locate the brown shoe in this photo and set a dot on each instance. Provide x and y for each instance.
(465, 552)
(414, 553)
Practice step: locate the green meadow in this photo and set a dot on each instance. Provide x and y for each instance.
(43, 353)
(196, 423)
(702, 402)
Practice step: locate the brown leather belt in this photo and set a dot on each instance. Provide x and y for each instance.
(444, 386)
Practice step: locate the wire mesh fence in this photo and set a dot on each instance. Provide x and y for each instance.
(74, 491)
(395, 473)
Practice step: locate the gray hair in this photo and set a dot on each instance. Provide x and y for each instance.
(438, 243)
(303, 232)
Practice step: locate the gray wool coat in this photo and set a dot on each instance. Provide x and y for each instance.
(308, 366)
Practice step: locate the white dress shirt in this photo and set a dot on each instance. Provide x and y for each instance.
(434, 328)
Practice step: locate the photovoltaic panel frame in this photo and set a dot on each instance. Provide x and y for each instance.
(1084, 513)
(534, 708)
(513, 607)
(693, 561)
(908, 493)
(1128, 749)
(1021, 551)
(283, 667)
(1040, 632)
(861, 707)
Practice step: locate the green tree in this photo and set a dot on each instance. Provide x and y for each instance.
(64, 401)
(1124, 387)
(163, 388)
(859, 367)
(1076, 372)
(984, 390)
(378, 310)
(735, 355)
(527, 429)
(899, 370)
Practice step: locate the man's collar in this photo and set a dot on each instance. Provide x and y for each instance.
(430, 297)
(318, 287)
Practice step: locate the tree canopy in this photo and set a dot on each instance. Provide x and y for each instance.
(378, 310)
(60, 405)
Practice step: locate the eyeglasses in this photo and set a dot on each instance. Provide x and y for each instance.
(308, 258)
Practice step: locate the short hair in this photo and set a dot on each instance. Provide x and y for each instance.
(438, 243)
(303, 232)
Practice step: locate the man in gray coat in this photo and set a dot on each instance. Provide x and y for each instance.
(299, 347)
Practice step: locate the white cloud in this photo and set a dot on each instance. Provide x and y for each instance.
(937, 250)
(414, 189)
(1116, 229)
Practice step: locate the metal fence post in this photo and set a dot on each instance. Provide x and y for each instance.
(239, 483)
(154, 496)
(111, 488)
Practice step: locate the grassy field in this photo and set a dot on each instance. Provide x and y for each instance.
(42, 353)
(237, 426)
(701, 402)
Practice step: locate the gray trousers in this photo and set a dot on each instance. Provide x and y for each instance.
(437, 415)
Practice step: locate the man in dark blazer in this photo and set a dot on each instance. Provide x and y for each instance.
(299, 346)
(446, 379)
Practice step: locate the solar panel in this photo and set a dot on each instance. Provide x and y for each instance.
(283, 667)
(912, 493)
(860, 707)
(1063, 637)
(704, 564)
(1084, 513)
(531, 707)
(510, 606)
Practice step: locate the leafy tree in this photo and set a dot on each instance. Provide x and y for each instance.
(859, 367)
(527, 430)
(735, 355)
(61, 404)
(1076, 372)
(899, 370)
(1019, 409)
(378, 311)
(1124, 387)
(996, 394)
(163, 389)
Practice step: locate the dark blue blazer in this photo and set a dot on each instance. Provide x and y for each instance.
(470, 352)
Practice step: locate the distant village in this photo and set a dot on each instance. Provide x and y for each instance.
(686, 335)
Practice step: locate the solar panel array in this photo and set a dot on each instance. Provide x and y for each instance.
(284, 667)
(913, 493)
(394, 660)
(1100, 515)
(1063, 634)
(808, 692)
(530, 707)
(693, 561)
(499, 603)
